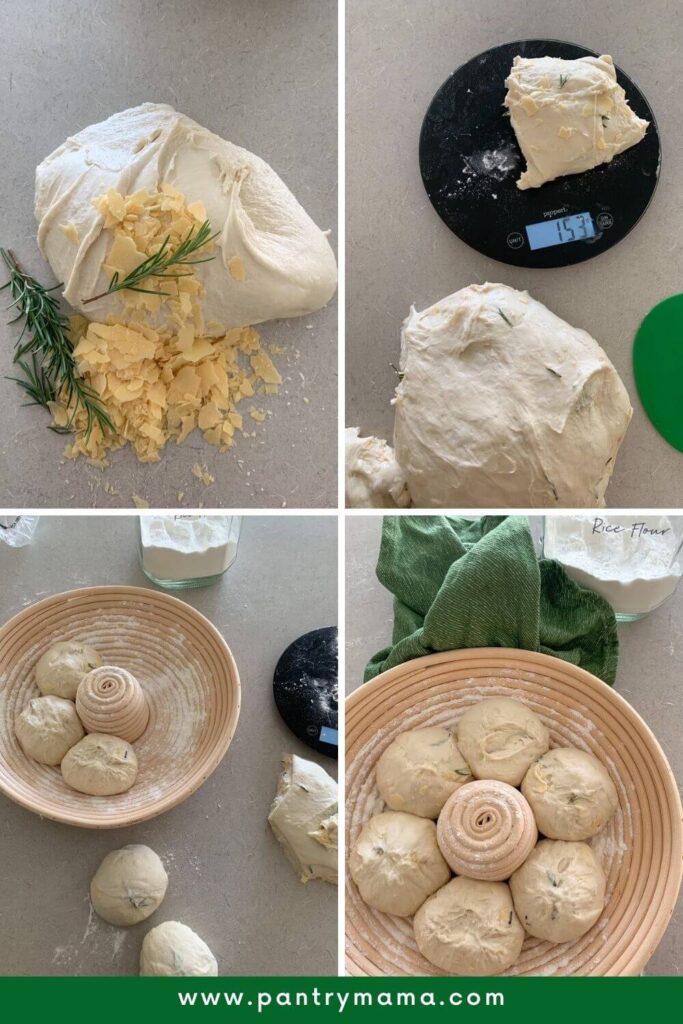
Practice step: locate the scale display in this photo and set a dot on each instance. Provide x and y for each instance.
(576, 228)
(470, 162)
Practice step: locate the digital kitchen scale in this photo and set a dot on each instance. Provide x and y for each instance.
(470, 161)
(306, 689)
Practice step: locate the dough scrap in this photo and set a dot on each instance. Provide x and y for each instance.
(571, 794)
(47, 728)
(420, 769)
(287, 267)
(396, 862)
(374, 478)
(100, 765)
(173, 950)
(568, 115)
(504, 405)
(469, 927)
(559, 891)
(129, 885)
(60, 670)
(303, 817)
(500, 738)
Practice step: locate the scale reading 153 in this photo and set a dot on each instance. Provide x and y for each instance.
(470, 162)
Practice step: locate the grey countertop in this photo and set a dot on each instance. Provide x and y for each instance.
(648, 676)
(399, 251)
(261, 74)
(228, 877)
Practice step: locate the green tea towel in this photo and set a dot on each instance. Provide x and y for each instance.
(460, 583)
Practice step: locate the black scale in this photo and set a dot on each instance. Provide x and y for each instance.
(470, 161)
(305, 687)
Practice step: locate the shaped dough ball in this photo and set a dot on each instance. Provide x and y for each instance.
(571, 794)
(47, 728)
(173, 950)
(469, 928)
(500, 738)
(396, 862)
(129, 885)
(559, 891)
(62, 667)
(420, 769)
(100, 765)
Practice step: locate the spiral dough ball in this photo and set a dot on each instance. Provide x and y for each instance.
(110, 700)
(486, 830)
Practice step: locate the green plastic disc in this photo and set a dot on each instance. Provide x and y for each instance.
(658, 368)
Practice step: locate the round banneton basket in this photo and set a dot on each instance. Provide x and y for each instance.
(640, 849)
(188, 675)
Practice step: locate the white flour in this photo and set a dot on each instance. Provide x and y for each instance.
(188, 547)
(627, 559)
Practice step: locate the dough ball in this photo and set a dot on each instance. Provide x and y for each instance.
(469, 928)
(502, 404)
(559, 891)
(174, 950)
(62, 667)
(500, 737)
(374, 478)
(100, 765)
(419, 771)
(396, 862)
(129, 885)
(47, 728)
(571, 794)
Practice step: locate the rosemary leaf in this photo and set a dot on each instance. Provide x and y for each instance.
(501, 313)
(51, 374)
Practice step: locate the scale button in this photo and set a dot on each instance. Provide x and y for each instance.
(515, 240)
(604, 220)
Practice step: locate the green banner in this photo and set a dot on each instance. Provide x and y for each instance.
(129, 1000)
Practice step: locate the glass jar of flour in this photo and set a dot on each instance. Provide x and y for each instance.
(635, 562)
(177, 552)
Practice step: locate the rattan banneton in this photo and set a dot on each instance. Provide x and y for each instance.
(186, 671)
(640, 849)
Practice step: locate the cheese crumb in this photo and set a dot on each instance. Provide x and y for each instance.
(202, 473)
(140, 502)
(236, 268)
(71, 231)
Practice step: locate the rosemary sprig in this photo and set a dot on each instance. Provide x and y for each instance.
(44, 353)
(160, 262)
(501, 313)
(563, 80)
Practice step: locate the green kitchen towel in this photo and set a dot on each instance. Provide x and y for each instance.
(460, 583)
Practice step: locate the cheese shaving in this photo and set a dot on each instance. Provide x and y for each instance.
(160, 383)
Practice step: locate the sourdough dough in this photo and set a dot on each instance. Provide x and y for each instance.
(420, 769)
(272, 259)
(47, 728)
(396, 862)
(571, 794)
(568, 115)
(373, 476)
(100, 765)
(173, 950)
(62, 667)
(505, 405)
(500, 738)
(559, 891)
(469, 928)
(304, 818)
(129, 885)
